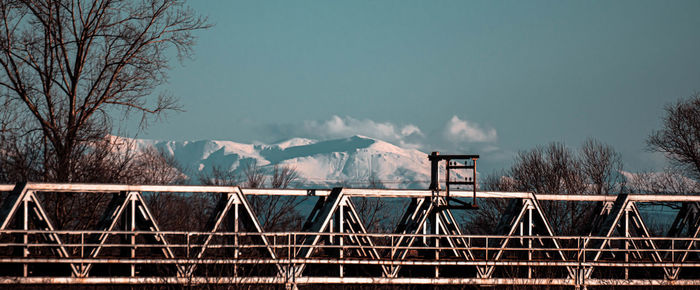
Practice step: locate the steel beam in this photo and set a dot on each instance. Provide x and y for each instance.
(32, 214)
(135, 215)
(336, 214)
(526, 215)
(621, 217)
(418, 216)
(243, 215)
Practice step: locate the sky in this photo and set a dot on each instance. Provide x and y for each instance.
(460, 77)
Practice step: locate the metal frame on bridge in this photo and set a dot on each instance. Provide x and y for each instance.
(426, 247)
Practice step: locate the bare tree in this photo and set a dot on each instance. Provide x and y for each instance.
(679, 138)
(65, 68)
(20, 157)
(484, 220)
(282, 177)
(602, 166)
(111, 161)
(548, 169)
(70, 63)
(155, 167)
(254, 175)
(375, 212)
(670, 181)
(276, 212)
(218, 176)
(556, 169)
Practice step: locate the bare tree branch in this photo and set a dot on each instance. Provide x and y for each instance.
(69, 62)
(679, 139)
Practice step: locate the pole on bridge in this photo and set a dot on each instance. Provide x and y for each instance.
(464, 164)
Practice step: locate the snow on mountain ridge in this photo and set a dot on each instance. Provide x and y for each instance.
(346, 161)
(294, 142)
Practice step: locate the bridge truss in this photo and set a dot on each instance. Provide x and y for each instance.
(428, 246)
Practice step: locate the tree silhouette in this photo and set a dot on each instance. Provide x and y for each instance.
(67, 66)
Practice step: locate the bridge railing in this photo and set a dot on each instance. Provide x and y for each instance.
(245, 249)
(484, 247)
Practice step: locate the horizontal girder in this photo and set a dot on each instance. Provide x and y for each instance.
(397, 193)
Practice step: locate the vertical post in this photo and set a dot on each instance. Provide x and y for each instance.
(393, 250)
(436, 232)
(673, 252)
(577, 274)
(521, 224)
(434, 174)
(132, 228)
(188, 244)
(584, 270)
(294, 253)
(474, 180)
(25, 226)
(529, 241)
(235, 238)
(673, 259)
(447, 177)
(487, 248)
(288, 273)
(189, 271)
(341, 227)
(331, 227)
(627, 246)
(82, 252)
(426, 231)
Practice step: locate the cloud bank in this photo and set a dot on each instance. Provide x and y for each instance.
(458, 130)
(455, 135)
(408, 135)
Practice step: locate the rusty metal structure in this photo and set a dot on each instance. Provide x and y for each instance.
(427, 246)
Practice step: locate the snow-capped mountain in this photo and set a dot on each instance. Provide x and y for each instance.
(660, 182)
(348, 161)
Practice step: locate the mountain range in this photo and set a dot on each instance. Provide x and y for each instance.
(351, 161)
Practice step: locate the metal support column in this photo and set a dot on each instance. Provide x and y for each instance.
(236, 230)
(132, 228)
(529, 240)
(627, 242)
(341, 240)
(25, 236)
(436, 232)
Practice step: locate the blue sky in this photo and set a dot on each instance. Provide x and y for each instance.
(486, 77)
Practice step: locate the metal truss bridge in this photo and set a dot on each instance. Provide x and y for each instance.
(334, 247)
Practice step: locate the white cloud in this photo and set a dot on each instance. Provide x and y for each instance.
(340, 127)
(458, 130)
(409, 130)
